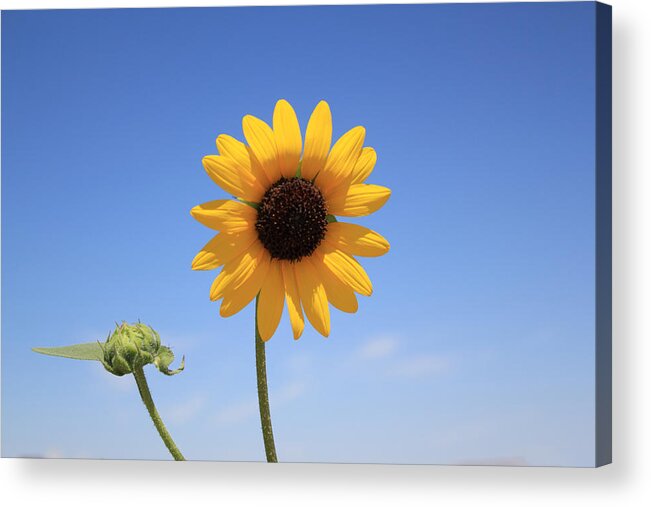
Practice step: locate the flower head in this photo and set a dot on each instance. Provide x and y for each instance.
(136, 345)
(279, 239)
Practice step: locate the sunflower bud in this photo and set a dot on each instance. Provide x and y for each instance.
(133, 346)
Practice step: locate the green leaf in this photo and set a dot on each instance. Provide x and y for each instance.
(87, 351)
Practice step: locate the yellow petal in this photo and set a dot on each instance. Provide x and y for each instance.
(317, 141)
(214, 295)
(232, 177)
(339, 294)
(358, 200)
(261, 140)
(288, 138)
(241, 153)
(271, 301)
(225, 215)
(223, 248)
(293, 299)
(364, 165)
(356, 240)
(347, 269)
(342, 159)
(236, 298)
(237, 271)
(257, 171)
(313, 296)
(232, 148)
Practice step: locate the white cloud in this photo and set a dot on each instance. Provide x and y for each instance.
(299, 363)
(376, 348)
(398, 363)
(420, 366)
(247, 409)
(186, 411)
(289, 392)
(236, 413)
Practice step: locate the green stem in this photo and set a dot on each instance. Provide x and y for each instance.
(145, 394)
(263, 394)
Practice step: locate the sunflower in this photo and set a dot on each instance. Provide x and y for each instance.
(279, 239)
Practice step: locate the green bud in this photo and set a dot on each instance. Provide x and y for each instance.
(136, 345)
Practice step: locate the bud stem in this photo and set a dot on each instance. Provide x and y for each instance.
(145, 394)
(263, 393)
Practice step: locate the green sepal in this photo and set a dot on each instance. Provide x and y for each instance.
(298, 171)
(163, 360)
(85, 351)
(331, 218)
(254, 205)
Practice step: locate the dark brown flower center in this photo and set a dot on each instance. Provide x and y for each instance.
(291, 219)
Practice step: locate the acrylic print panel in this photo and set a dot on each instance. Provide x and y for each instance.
(426, 185)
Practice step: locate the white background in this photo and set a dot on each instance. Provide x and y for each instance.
(626, 482)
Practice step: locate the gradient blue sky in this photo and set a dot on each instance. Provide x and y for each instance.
(478, 343)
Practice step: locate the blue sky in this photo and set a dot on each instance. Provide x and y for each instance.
(477, 345)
